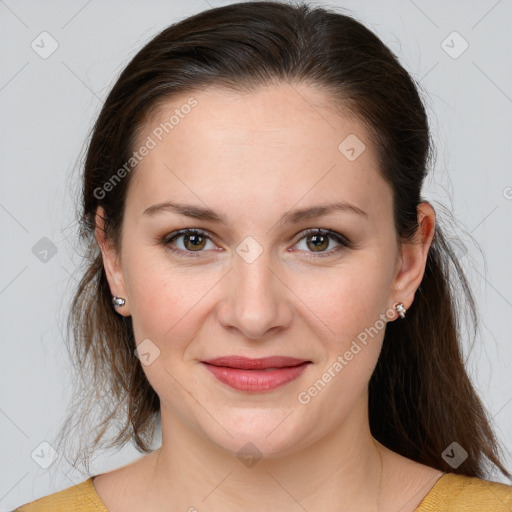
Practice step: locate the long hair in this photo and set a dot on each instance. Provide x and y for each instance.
(420, 396)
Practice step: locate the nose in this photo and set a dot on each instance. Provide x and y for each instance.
(256, 299)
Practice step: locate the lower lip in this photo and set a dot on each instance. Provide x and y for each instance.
(256, 380)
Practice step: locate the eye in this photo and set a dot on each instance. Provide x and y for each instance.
(195, 240)
(317, 240)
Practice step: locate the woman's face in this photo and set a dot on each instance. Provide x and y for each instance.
(256, 284)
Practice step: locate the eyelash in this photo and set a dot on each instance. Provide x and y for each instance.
(343, 241)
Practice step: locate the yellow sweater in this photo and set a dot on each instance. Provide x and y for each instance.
(451, 493)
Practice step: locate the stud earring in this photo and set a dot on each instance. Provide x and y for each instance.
(401, 309)
(118, 301)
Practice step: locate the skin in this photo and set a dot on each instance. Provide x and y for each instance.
(254, 157)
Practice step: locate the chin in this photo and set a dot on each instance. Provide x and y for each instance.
(260, 434)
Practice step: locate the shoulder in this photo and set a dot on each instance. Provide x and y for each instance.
(456, 493)
(77, 498)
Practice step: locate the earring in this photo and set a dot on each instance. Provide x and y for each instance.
(118, 301)
(401, 309)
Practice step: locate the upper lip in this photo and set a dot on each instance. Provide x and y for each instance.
(246, 363)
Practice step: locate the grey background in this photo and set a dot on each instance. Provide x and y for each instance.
(48, 105)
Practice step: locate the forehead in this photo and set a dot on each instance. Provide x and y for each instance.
(276, 145)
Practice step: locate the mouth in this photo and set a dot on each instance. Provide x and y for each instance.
(256, 375)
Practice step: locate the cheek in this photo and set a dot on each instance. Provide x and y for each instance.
(348, 298)
(165, 300)
(353, 322)
(352, 305)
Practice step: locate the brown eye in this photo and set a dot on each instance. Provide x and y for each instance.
(192, 240)
(318, 242)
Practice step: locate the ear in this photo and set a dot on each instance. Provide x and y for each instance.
(413, 256)
(111, 262)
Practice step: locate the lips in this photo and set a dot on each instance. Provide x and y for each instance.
(255, 375)
(246, 363)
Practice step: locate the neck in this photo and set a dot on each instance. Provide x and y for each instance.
(341, 471)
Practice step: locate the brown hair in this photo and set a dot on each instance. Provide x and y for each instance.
(420, 396)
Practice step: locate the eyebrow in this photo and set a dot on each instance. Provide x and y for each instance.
(291, 217)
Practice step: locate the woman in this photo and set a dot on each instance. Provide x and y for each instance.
(252, 200)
